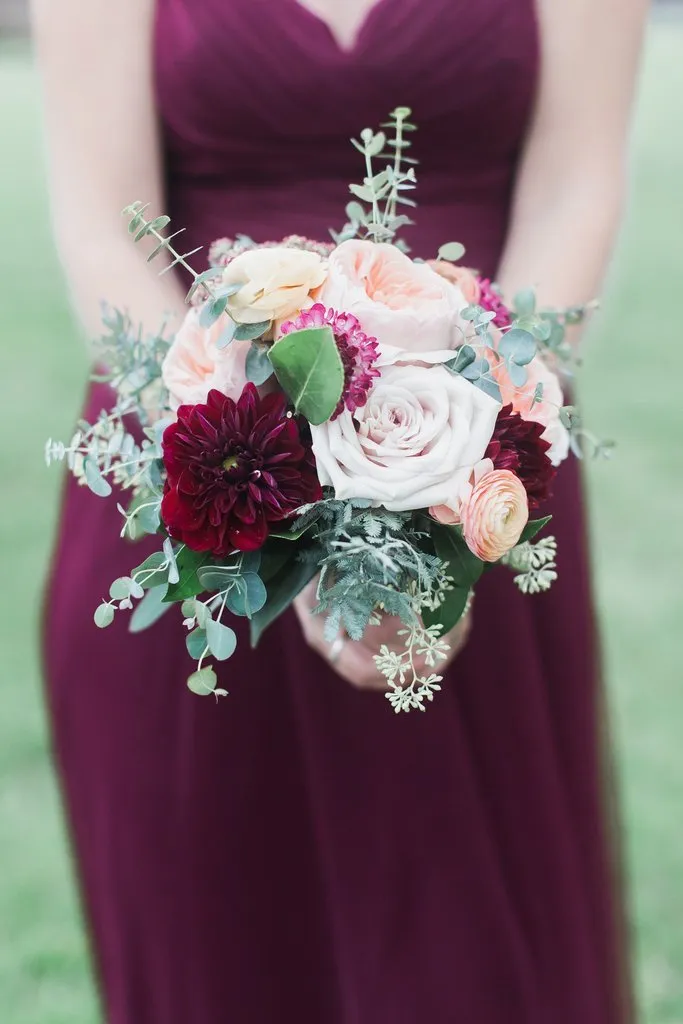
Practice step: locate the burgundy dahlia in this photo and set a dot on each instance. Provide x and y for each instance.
(233, 468)
(517, 445)
(491, 301)
(358, 351)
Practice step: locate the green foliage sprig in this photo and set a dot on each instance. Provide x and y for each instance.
(374, 211)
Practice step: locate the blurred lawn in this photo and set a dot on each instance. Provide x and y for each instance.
(636, 498)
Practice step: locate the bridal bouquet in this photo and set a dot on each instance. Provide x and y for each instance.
(331, 410)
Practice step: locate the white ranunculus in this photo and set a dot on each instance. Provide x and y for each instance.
(397, 301)
(414, 443)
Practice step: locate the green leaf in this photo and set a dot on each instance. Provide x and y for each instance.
(104, 615)
(219, 577)
(309, 369)
(355, 212)
(189, 584)
(452, 251)
(212, 309)
(533, 527)
(94, 479)
(220, 639)
(274, 554)
(449, 544)
(290, 534)
(196, 643)
(449, 612)
(517, 346)
(524, 302)
(258, 366)
(203, 682)
(150, 609)
(247, 596)
(249, 332)
(282, 588)
(362, 192)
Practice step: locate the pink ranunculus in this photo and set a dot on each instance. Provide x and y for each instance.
(413, 444)
(466, 279)
(546, 412)
(448, 514)
(399, 302)
(194, 365)
(495, 515)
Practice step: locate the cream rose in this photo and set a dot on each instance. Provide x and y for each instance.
(276, 282)
(495, 515)
(193, 364)
(412, 445)
(399, 302)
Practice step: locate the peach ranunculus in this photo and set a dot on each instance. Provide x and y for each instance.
(399, 302)
(194, 365)
(277, 283)
(466, 279)
(412, 445)
(495, 515)
(546, 412)
(448, 513)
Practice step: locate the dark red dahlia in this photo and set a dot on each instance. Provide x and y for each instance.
(358, 351)
(517, 445)
(491, 301)
(233, 469)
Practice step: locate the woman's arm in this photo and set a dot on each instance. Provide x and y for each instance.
(571, 180)
(103, 151)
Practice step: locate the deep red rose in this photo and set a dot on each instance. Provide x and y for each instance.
(233, 469)
(517, 445)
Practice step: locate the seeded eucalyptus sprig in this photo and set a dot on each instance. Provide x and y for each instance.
(140, 228)
(373, 212)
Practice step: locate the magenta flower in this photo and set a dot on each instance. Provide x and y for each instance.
(491, 301)
(358, 351)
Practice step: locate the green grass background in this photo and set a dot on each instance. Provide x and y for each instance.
(631, 390)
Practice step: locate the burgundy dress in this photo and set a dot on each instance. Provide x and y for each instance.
(297, 852)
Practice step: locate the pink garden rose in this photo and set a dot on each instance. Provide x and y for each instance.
(401, 303)
(194, 365)
(466, 279)
(495, 515)
(413, 444)
(546, 412)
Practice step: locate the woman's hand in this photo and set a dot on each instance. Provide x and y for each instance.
(355, 659)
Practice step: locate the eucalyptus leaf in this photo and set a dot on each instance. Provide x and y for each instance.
(249, 332)
(152, 564)
(212, 309)
(248, 595)
(258, 366)
(355, 212)
(524, 302)
(452, 251)
(309, 368)
(517, 374)
(362, 192)
(120, 588)
(104, 615)
(282, 588)
(465, 356)
(517, 346)
(202, 682)
(220, 639)
(94, 479)
(376, 144)
(150, 609)
(173, 571)
(195, 643)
